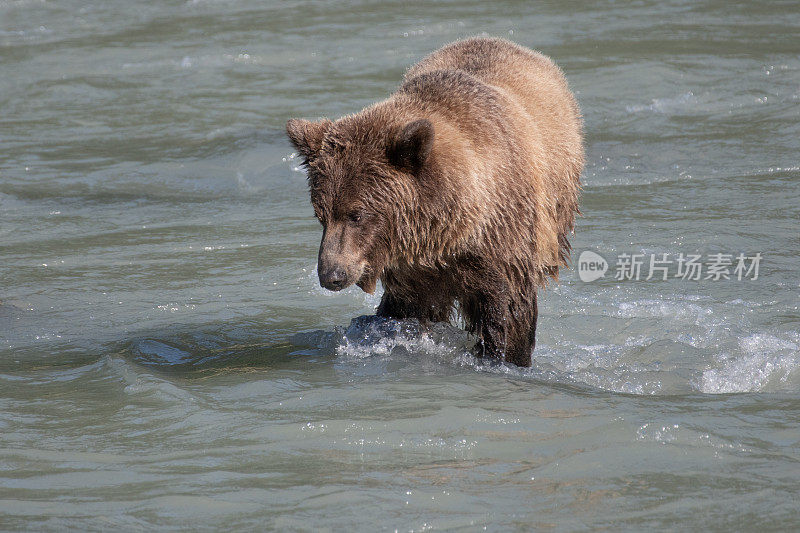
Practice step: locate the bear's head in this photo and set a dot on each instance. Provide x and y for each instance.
(364, 175)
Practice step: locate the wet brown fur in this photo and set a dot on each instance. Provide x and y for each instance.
(460, 188)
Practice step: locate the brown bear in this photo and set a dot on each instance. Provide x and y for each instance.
(458, 191)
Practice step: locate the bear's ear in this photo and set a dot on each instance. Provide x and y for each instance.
(410, 147)
(307, 136)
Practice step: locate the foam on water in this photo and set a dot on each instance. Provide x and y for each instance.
(765, 363)
(370, 336)
(673, 344)
(642, 365)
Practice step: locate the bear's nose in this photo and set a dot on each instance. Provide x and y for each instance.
(333, 279)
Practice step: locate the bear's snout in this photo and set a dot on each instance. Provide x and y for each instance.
(339, 264)
(333, 278)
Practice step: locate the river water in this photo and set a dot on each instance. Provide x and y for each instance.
(168, 360)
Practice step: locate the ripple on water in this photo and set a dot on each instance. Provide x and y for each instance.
(765, 363)
(643, 365)
(673, 344)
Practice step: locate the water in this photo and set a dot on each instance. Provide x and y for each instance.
(167, 359)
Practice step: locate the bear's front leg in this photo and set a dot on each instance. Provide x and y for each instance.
(392, 306)
(505, 324)
(426, 306)
(521, 328)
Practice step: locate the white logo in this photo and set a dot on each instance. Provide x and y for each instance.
(591, 266)
(634, 266)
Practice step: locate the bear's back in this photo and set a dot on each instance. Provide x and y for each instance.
(486, 58)
(528, 76)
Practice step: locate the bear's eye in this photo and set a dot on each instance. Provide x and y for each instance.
(355, 216)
